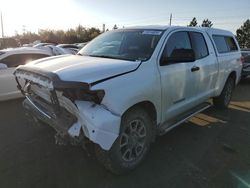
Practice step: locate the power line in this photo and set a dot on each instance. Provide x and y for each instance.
(163, 15)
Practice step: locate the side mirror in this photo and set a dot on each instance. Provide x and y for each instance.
(179, 56)
(3, 66)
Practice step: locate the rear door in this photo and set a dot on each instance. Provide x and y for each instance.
(206, 72)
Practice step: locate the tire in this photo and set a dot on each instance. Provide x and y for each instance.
(132, 144)
(224, 99)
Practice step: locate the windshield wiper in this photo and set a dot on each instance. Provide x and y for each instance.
(112, 57)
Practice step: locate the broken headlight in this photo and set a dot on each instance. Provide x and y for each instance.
(85, 95)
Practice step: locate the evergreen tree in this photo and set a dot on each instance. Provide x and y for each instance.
(243, 34)
(207, 23)
(193, 23)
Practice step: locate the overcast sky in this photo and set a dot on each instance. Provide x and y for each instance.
(31, 15)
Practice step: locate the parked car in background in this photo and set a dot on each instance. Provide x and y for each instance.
(81, 45)
(69, 47)
(129, 85)
(42, 44)
(246, 62)
(9, 60)
(56, 50)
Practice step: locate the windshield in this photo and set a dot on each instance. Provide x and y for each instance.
(124, 44)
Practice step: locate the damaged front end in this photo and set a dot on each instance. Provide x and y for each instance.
(71, 108)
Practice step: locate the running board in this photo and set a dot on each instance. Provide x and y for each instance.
(169, 125)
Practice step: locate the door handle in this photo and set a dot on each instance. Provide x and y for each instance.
(195, 68)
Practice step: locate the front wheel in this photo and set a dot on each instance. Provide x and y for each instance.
(132, 145)
(224, 99)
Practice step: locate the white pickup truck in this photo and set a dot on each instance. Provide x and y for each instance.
(129, 85)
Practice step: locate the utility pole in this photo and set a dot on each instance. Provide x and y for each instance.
(2, 25)
(24, 29)
(2, 42)
(103, 28)
(170, 20)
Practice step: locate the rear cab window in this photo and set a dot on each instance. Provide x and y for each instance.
(225, 44)
(231, 44)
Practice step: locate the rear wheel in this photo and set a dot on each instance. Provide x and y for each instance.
(132, 145)
(224, 99)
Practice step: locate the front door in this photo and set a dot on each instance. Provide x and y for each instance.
(178, 84)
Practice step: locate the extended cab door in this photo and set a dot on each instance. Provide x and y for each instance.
(177, 80)
(206, 72)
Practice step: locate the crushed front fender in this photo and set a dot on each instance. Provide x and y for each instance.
(101, 125)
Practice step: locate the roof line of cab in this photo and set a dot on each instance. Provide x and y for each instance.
(164, 28)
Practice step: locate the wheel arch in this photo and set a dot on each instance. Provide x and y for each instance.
(232, 75)
(148, 106)
(221, 85)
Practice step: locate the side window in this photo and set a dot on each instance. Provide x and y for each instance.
(21, 59)
(11, 61)
(26, 58)
(231, 44)
(178, 40)
(199, 45)
(225, 44)
(220, 43)
(176, 43)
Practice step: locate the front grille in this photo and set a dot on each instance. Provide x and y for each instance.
(61, 119)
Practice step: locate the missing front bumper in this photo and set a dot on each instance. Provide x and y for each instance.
(46, 101)
(61, 122)
(97, 123)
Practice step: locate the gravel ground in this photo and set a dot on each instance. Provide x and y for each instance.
(212, 150)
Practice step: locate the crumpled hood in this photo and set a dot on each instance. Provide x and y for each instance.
(84, 68)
